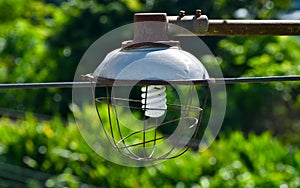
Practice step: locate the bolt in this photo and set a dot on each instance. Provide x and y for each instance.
(198, 13)
(181, 13)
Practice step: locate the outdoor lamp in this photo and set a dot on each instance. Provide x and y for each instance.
(144, 92)
(149, 108)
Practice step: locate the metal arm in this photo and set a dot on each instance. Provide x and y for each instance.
(200, 25)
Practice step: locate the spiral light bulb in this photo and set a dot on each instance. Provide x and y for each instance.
(154, 100)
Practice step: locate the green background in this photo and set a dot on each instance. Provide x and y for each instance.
(43, 41)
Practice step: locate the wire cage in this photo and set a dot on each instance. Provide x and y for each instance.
(148, 122)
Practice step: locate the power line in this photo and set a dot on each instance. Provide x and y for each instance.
(103, 83)
(45, 85)
(263, 79)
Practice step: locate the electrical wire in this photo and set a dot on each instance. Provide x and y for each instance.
(102, 83)
(45, 85)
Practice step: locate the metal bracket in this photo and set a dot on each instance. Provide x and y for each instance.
(196, 24)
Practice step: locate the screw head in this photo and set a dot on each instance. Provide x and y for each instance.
(181, 13)
(198, 12)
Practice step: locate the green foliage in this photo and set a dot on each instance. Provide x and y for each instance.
(25, 53)
(272, 106)
(11, 10)
(43, 41)
(59, 153)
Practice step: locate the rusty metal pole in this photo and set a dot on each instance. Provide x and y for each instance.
(253, 27)
(198, 23)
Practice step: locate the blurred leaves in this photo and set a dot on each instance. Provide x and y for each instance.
(43, 41)
(268, 106)
(64, 159)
